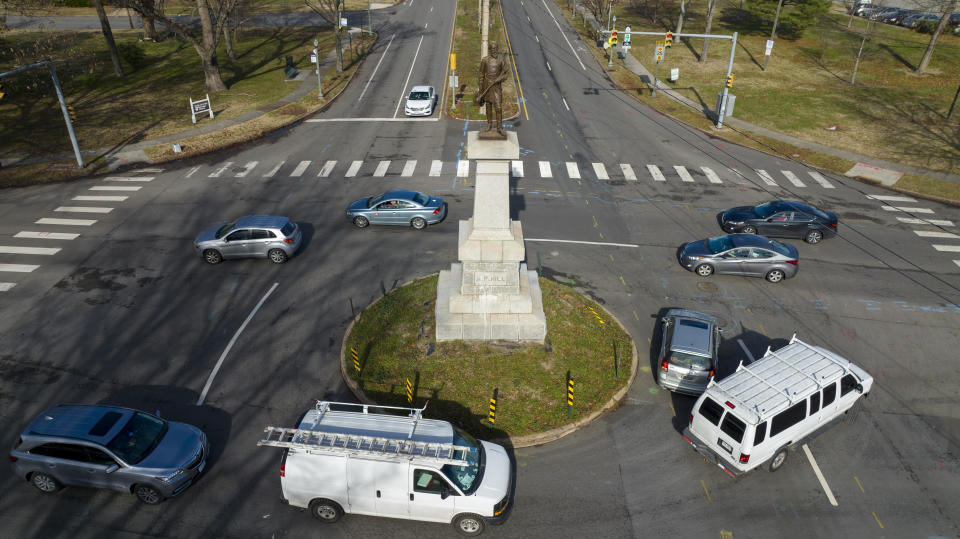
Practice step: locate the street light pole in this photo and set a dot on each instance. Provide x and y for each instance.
(316, 45)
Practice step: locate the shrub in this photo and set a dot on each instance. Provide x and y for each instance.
(132, 54)
(75, 3)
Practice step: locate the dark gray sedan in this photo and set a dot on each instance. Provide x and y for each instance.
(740, 254)
(781, 218)
(400, 207)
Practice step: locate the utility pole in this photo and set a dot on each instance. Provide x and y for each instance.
(773, 32)
(955, 96)
(369, 19)
(723, 100)
(485, 21)
(316, 52)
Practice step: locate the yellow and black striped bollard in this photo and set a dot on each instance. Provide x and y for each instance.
(409, 391)
(569, 395)
(356, 359)
(493, 407)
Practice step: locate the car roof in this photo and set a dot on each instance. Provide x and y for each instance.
(749, 240)
(401, 194)
(79, 420)
(421, 89)
(688, 335)
(266, 221)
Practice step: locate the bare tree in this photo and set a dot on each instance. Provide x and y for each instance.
(108, 35)
(329, 10)
(864, 48)
(948, 8)
(711, 8)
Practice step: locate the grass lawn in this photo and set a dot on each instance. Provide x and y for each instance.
(394, 339)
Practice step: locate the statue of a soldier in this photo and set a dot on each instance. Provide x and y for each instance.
(494, 69)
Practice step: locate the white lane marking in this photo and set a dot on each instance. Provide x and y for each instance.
(766, 177)
(793, 178)
(816, 470)
(101, 198)
(601, 171)
(463, 168)
(545, 171)
(409, 167)
(274, 170)
(46, 235)
(565, 105)
(654, 171)
(583, 242)
(425, 25)
(711, 175)
(573, 172)
(628, 172)
(115, 188)
(820, 179)
(46, 251)
(915, 221)
(746, 351)
(128, 178)
(378, 120)
(246, 169)
(947, 248)
(910, 210)
(83, 209)
(682, 172)
(6, 286)
(18, 268)
(549, 68)
(516, 169)
(381, 170)
(354, 168)
(301, 168)
(537, 38)
(957, 262)
(564, 35)
(221, 170)
(929, 234)
(403, 90)
(192, 172)
(890, 198)
(67, 222)
(367, 85)
(435, 167)
(326, 169)
(206, 387)
(151, 170)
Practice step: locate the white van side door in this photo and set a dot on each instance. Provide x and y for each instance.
(362, 485)
(431, 496)
(391, 488)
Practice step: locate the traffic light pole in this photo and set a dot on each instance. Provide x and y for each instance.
(726, 83)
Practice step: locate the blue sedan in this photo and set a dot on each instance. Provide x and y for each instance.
(399, 207)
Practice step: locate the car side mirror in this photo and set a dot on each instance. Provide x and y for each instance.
(860, 388)
(445, 493)
(112, 468)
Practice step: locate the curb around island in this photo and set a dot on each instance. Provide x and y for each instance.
(528, 440)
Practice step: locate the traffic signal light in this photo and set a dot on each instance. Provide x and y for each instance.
(613, 38)
(669, 40)
(730, 80)
(73, 115)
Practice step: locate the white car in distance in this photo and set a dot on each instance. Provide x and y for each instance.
(421, 101)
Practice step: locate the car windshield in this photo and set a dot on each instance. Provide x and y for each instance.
(466, 478)
(419, 96)
(780, 247)
(765, 210)
(689, 361)
(719, 244)
(421, 199)
(138, 437)
(224, 229)
(373, 201)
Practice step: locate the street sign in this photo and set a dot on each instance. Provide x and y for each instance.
(659, 49)
(626, 37)
(199, 107)
(769, 47)
(343, 21)
(454, 81)
(658, 43)
(453, 62)
(659, 57)
(626, 46)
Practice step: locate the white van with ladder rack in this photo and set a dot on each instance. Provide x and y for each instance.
(774, 404)
(351, 460)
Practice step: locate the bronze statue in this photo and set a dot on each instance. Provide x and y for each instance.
(494, 69)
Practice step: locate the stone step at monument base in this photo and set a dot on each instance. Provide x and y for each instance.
(529, 326)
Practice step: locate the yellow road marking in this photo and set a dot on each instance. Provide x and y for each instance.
(878, 521)
(726, 535)
(601, 235)
(859, 485)
(675, 415)
(705, 491)
(761, 328)
(638, 319)
(595, 223)
(622, 281)
(611, 259)
(512, 62)
(749, 311)
(453, 28)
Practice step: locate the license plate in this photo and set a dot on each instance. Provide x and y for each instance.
(727, 447)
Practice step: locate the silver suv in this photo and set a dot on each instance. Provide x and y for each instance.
(688, 353)
(109, 447)
(254, 236)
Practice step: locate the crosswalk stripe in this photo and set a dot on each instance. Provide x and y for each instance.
(101, 198)
(766, 177)
(601, 171)
(128, 178)
(957, 262)
(915, 221)
(545, 171)
(910, 210)
(409, 167)
(83, 209)
(273, 171)
(654, 171)
(516, 169)
(820, 179)
(115, 188)
(221, 170)
(18, 268)
(948, 248)
(46, 235)
(573, 171)
(890, 198)
(463, 168)
(301, 168)
(12, 250)
(684, 175)
(435, 167)
(793, 178)
(354, 168)
(246, 169)
(6, 286)
(628, 172)
(711, 175)
(66, 222)
(381, 170)
(933, 234)
(326, 169)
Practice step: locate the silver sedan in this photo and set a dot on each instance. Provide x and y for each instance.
(400, 207)
(740, 254)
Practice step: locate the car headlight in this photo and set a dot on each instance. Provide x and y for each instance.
(170, 478)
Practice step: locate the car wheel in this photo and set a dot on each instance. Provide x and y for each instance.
(749, 229)
(814, 236)
(704, 270)
(775, 275)
(468, 524)
(44, 483)
(212, 256)
(778, 459)
(277, 256)
(419, 223)
(325, 510)
(360, 221)
(148, 494)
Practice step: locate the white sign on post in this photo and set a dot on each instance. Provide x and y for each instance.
(343, 21)
(199, 107)
(769, 47)
(626, 37)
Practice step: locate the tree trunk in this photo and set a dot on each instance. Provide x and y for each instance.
(208, 52)
(711, 4)
(936, 35)
(108, 35)
(228, 43)
(856, 63)
(683, 11)
(339, 53)
(149, 28)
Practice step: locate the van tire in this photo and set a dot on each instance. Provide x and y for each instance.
(326, 510)
(778, 459)
(468, 524)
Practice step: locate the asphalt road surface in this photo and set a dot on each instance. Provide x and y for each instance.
(606, 189)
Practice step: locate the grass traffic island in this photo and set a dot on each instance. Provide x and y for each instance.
(394, 341)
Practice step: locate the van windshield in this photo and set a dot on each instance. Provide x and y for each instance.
(466, 478)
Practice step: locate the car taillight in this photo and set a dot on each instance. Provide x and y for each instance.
(744, 458)
(436, 211)
(664, 365)
(712, 372)
(283, 464)
(287, 240)
(794, 262)
(690, 422)
(834, 225)
(13, 458)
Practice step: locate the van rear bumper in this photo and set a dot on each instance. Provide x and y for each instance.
(711, 455)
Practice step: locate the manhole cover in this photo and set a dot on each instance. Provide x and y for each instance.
(707, 286)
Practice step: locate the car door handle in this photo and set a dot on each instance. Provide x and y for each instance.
(411, 496)
(378, 494)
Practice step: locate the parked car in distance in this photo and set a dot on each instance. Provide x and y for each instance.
(901, 15)
(892, 15)
(914, 20)
(421, 101)
(254, 236)
(109, 447)
(781, 219)
(884, 12)
(688, 351)
(398, 207)
(740, 254)
(954, 19)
